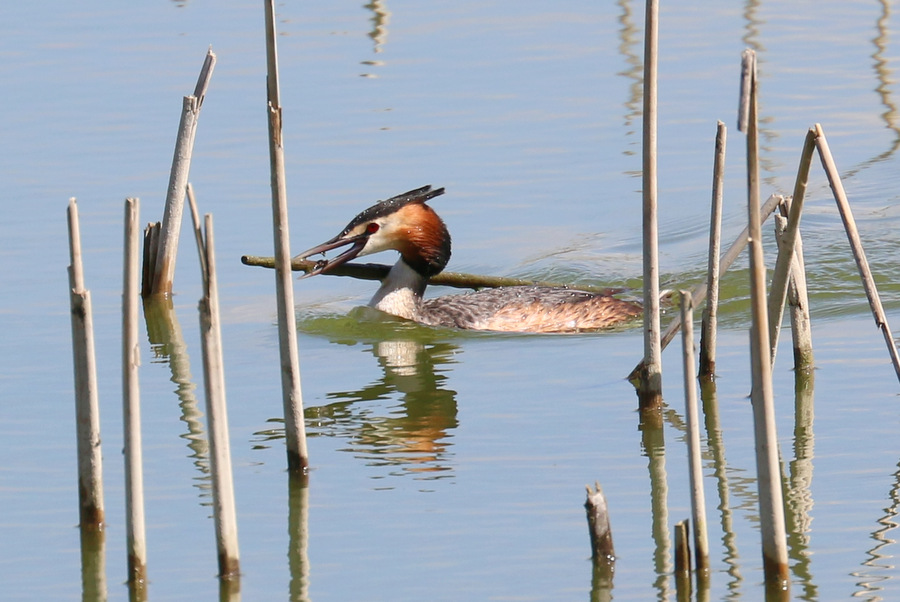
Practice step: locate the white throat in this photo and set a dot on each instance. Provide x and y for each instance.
(401, 292)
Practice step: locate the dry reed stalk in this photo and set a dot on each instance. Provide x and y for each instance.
(87, 410)
(602, 549)
(292, 396)
(859, 255)
(695, 460)
(798, 301)
(649, 378)
(710, 312)
(131, 398)
(217, 417)
(198, 230)
(784, 261)
(771, 504)
(164, 271)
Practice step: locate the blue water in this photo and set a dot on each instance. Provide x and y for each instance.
(444, 466)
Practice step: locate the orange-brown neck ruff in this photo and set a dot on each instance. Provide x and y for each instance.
(422, 239)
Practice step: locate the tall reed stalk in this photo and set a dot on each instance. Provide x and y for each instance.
(292, 396)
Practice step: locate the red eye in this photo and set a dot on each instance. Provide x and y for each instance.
(372, 228)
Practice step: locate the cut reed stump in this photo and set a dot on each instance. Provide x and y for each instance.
(682, 560)
(602, 549)
(713, 266)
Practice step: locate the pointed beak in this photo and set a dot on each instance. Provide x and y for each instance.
(324, 265)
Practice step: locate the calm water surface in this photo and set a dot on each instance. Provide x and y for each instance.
(446, 466)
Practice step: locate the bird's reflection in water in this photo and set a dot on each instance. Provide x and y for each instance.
(403, 420)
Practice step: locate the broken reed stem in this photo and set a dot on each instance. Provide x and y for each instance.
(378, 271)
(692, 413)
(682, 560)
(840, 197)
(710, 312)
(649, 379)
(151, 247)
(798, 301)
(292, 396)
(217, 417)
(87, 410)
(771, 505)
(699, 292)
(784, 261)
(131, 399)
(164, 270)
(602, 549)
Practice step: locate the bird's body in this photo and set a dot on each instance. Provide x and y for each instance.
(406, 224)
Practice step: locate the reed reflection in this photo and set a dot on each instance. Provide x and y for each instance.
(168, 345)
(879, 562)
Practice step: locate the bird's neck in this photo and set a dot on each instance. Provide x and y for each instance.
(401, 292)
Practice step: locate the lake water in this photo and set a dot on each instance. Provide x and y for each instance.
(445, 466)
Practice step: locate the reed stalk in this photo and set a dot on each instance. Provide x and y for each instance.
(784, 261)
(164, 270)
(131, 398)
(602, 549)
(798, 301)
(198, 230)
(840, 197)
(695, 460)
(292, 396)
(682, 561)
(217, 417)
(771, 505)
(87, 408)
(649, 379)
(710, 312)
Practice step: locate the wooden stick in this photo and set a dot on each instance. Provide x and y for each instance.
(862, 264)
(181, 165)
(784, 261)
(292, 396)
(649, 379)
(695, 460)
(710, 312)
(87, 410)
(699, 292)
(378, 271)
(217, 418)
(771, 505)
(602, 549)
(131, 398)
(798, 301)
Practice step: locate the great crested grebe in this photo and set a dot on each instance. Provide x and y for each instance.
(406, 224)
